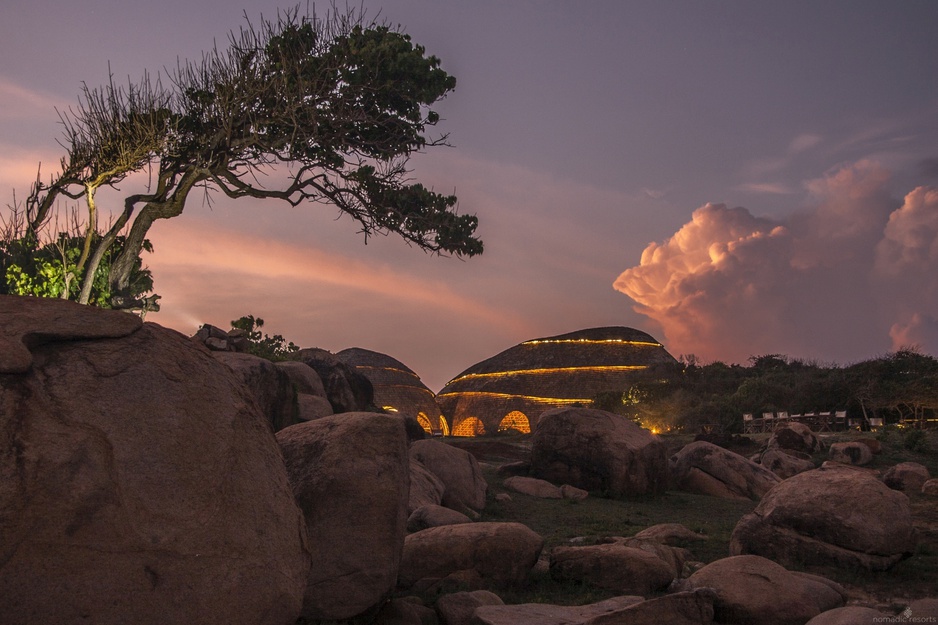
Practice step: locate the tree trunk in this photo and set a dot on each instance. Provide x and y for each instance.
(123, 266)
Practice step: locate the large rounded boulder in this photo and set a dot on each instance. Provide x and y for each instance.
(707, 469)
(598, 451)
(464, 486)
(795, 437)
(269, 384)
(752, 589)
(830, 516)
(489, 554)
(139, 482)
(350, 474)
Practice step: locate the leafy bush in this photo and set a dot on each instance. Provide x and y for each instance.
(270, 347)
(916, 440)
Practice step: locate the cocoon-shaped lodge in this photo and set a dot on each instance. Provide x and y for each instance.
(512, 389)
(397, 388)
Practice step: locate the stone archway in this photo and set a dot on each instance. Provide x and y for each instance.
(515, 420)
(424, 423)
(470, 426)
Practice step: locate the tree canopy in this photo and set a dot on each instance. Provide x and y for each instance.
(335, 107)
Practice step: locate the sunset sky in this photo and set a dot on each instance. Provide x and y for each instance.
(734, 178)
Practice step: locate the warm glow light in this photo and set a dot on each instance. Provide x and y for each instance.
(444, 426)
(543, 371)
(390, 408)
(424, 423)
(515, 420)
(540, 400)
(394, 369)
(593, 342)
(470, 426)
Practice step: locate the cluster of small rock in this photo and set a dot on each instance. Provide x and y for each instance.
(147, 479)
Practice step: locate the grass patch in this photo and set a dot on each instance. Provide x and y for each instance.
(559, 521)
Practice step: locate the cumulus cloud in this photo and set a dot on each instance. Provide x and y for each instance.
(850, 277)
(905, 270)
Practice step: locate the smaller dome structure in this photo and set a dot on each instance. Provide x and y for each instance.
(397, 388)
(510, 390)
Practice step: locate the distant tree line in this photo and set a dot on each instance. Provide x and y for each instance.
(899, 387)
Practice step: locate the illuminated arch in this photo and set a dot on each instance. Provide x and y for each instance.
(424, 423)
(444, 426)
(515, 420)
(470, 426)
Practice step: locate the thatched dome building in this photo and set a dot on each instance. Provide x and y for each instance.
(397, 388)
(512, 389)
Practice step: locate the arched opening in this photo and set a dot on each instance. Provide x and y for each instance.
(444, 426)
(515, 420)
(470, 426)
(424, 423)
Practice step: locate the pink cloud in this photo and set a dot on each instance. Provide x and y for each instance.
(728, 284)
(906, 269)
(207, 248)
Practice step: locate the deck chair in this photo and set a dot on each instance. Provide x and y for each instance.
(768, 421)
(840, 420)
(749, 423)
(824, 421)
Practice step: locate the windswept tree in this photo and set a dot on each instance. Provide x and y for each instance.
(321, 110)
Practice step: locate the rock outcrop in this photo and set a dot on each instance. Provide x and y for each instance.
(598, 451)
(795, 437)
(426, 489)
(434, 516)
(853, 452)
(785, 463)
(616, 567)
(704, 468)
(906, 476)
(485, 554)
(458, 470)
(139, 483)
(752, 589)
(346, 389)
(851, 615)
(458, 608)
(680, 608)
(833, 516)
(533, 487)
(350, 475)
(270, 386)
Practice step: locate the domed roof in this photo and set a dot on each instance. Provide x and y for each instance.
(550, 372)
(397, 388)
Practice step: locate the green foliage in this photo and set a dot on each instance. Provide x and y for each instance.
(270, 347)
(916, 440)
(28, 267)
